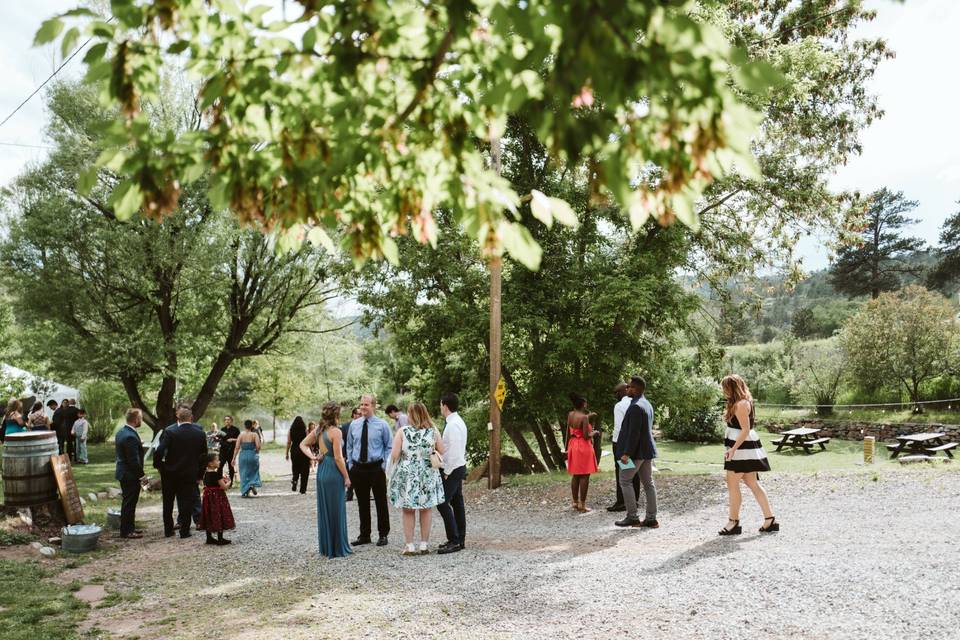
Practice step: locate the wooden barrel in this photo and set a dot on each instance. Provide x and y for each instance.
(27, 472)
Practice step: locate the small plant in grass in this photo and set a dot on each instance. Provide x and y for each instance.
(8, 538)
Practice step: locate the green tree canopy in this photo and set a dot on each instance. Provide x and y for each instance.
(946, 272)
(906, 337)
(162, 307)
(877, 262)
(366, 118)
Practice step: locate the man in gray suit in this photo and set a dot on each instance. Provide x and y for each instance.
(635, 447)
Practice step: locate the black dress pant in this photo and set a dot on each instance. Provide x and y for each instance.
(300, 466)
(184, 491)
(226, 460)
(130, 488)
(451, 509)
(62, 436)
(367, 477)
(616, 476)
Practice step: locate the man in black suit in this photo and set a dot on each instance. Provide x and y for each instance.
(228, 443)
(180, 458)
(56, 423)
(129, 451)
(70, 415)
(635, 449)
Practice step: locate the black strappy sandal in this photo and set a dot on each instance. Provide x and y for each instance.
(737, 530)
(774, 525)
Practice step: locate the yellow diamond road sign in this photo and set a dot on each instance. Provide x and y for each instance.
(500, 394)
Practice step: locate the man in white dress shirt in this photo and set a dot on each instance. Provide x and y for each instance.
(454, 472)
(620, 410)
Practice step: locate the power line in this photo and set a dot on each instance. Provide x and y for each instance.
(26, 146)
(857, 406)
(44, 83)
(817, 18)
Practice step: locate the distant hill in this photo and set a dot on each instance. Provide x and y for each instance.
(765, 307)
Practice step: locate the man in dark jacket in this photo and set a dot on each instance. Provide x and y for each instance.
(635, 452)
(70, 415)
(180, 458)
(129, 451)
(56, 423)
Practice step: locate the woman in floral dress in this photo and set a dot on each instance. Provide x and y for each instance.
(415, 485)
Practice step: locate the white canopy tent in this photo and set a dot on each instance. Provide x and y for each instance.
(41, 388)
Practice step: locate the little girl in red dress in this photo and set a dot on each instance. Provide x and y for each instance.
(581, 458)
(215, 515)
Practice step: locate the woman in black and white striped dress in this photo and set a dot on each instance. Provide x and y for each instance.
(744, 457)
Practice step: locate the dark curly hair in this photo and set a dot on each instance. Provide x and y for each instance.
(578, 401)
(330, 414)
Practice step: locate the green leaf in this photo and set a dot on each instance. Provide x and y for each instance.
(758, 76)
(87, 180)
(390, 250)
(540, 208)
(309, 39)
(126, 200)
(69, 41)
(48, 31)
(563, 213)
(319, 238)
(521, 245)
(96, 53)
(178, 47)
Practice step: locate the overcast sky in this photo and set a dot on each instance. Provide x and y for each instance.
(913, 148)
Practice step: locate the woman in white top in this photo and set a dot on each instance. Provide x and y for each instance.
(744, 458)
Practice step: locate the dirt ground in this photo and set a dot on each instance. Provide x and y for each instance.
(861, 554)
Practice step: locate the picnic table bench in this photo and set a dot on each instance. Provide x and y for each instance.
(803, 437)
(921, 444)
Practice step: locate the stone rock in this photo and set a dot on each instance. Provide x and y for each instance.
(114, 492)
(92, 497)
(102, 495)
(914, 459)
(83, 501)
(25, 517)
(55, 540)
(48, 552)
(36, 545)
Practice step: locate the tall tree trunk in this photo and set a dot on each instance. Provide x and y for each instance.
(209, 387)
(542, 444)
(548, 434)
(530, 459)
(166, 397)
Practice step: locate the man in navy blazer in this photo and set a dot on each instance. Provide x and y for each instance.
(129, 455)
(635, 447)
(180, 458)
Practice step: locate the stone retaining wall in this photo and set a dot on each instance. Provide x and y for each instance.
(855, 430)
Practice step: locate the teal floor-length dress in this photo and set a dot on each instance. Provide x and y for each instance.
(249, 465)
(331, 507)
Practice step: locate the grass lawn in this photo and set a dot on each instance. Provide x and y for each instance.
(32, 608)
(684, 458)
(942, 416)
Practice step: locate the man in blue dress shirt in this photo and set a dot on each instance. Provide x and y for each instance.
(368, 447)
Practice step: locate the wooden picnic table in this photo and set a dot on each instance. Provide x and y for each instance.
(803, 437)
(921, 444)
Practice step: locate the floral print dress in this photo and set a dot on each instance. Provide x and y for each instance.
(414, 483)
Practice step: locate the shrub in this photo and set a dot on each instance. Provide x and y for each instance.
(693, 412)
(105, 403)
(478, 443)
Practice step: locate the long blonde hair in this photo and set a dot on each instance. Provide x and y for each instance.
(735, 389)
(13, 406)
(419, 416)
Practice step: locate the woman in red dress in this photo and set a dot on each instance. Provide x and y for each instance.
(581, 460)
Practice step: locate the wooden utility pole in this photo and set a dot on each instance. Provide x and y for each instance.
(496, 266)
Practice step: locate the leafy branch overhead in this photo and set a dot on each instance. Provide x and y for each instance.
(361, 120)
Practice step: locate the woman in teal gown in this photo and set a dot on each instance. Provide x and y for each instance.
(246, 459)
(332, 483)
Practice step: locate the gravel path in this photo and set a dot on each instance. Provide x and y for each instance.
(858, 551)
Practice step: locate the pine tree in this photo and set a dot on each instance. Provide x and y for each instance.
(879, 261)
